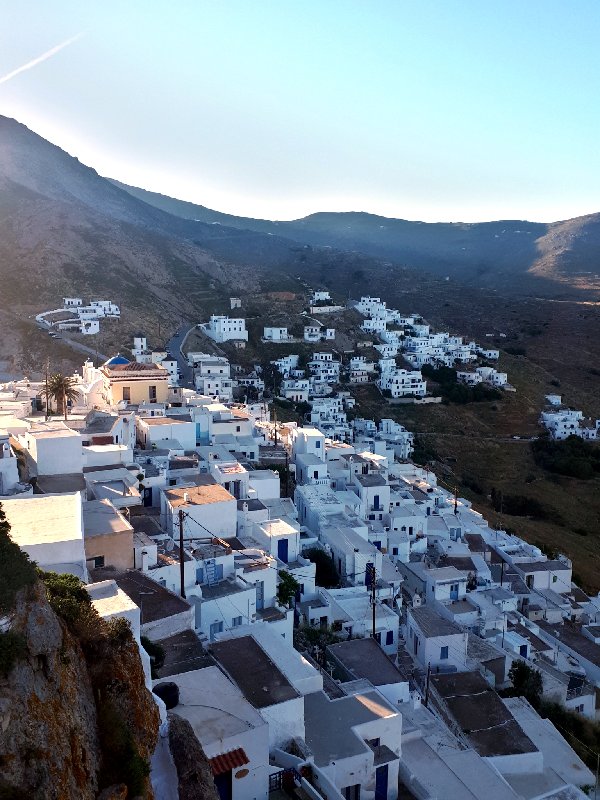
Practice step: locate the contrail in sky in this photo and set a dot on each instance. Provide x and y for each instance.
(44, 57)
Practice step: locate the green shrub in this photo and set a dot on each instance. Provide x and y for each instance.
(573, 457)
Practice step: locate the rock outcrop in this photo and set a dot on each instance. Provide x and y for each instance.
(193, 770)
(75, 716)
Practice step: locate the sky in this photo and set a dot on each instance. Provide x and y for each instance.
(454, 110)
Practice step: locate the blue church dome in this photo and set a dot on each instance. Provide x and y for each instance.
(118, 359)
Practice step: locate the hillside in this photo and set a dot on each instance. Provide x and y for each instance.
(565, 254)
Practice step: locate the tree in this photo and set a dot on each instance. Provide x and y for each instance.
(288, 586)
(62, 390)
(527, 682)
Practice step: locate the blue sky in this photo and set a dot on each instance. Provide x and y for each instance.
(450, 110)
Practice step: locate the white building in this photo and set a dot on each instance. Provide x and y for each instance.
(225, 329)
(49, 528)
(276, 335)
(434, 640)
(233, 734)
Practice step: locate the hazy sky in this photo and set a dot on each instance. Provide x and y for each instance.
(446, 110)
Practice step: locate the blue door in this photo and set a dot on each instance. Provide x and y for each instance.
(381, 782)
(282, 550)
(454, 591)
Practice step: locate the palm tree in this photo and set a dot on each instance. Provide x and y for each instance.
(61, 389)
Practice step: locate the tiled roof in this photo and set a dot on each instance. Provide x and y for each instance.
(228, 761)
(133, 366)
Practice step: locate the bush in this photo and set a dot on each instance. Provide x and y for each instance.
(12, 648)
(515, 351)
(287, 588)
(473, 483)
(573, 457)
(16, 570)
(121, 761)
(518, 505)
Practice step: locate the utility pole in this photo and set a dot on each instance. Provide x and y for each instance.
(373, 599)
(501, 573)
(455, 499)
(181, 556)
(47, 395)
(287, 474)
(275, 423)
(427, 685)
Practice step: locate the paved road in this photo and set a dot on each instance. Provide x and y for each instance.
(174, 348)
(83, 348)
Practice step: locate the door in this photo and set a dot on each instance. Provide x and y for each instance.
(223, 784)
(454, 591)
(282, 550)
(260, 595)
(381, 782)
(147, 496)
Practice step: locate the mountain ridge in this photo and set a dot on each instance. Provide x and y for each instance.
(484, 251)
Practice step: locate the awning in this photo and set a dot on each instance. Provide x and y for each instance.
(227, 761)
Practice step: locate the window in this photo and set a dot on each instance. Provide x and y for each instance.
(443, 653)
(152, 393)
(389, 637)
(236, 622)
(199, 574)
(554, 578)
(238, 428)
(318, 444)
(98, 562)
(172, 481)
(127, 393)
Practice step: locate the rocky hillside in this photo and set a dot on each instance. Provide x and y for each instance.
(76, 718)
(546, 257)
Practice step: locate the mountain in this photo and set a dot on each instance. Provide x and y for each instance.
(562, 255)
(66, 230)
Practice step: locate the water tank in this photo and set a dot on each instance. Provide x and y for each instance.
(168, 693)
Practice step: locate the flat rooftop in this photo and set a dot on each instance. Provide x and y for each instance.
(570, 634)
(371, 480)
(364, 658)
(431, 623)
(183, 653)
(44, 519)
(329, 723)
(154, 601)
(109, 599)
(540, 566)
(214, 706)
(481, 715)
(209, 491)
(60, 484)
(261, 681)
(100, 517)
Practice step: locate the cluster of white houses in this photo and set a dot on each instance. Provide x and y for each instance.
(75, 316)
(412, 337)
(563, 422)
(153, 495)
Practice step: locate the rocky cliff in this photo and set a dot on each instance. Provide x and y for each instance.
(75, 716)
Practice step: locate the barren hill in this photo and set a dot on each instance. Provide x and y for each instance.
(564, 255)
